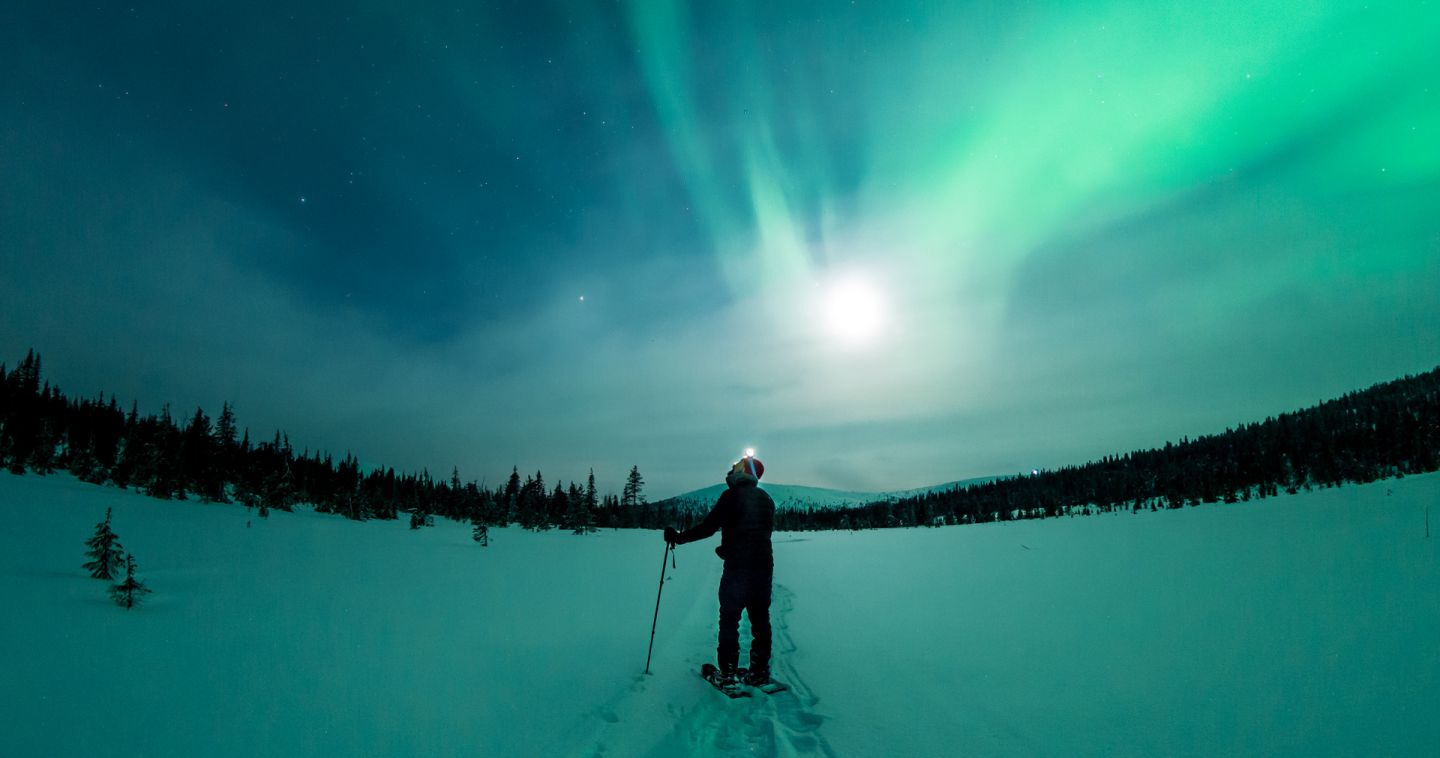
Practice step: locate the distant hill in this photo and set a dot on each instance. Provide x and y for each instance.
(799, 497)
(1389, 430)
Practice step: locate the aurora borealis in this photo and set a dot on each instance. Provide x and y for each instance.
(565, 235)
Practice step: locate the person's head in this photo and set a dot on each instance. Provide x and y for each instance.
(747, 468)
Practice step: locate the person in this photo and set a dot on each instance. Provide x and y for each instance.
(745, 516)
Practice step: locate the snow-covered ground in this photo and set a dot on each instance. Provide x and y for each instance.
(1305, 625)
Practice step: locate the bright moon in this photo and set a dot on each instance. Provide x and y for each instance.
(853, 312)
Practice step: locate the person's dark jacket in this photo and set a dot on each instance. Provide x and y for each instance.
(744, 515)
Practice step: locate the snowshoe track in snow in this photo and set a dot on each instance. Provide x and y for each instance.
(786, 723)
(783, 724)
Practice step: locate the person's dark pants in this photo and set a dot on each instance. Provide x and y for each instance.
(745, 588)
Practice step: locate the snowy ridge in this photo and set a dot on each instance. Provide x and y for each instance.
(801, 497)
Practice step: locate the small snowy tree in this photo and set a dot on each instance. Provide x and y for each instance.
(128, 593)
(105, 554)
(481, 533)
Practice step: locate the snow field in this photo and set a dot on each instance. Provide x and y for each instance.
(308, 634)
(1304, 625)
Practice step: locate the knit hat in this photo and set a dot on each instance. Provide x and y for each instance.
(749, 465)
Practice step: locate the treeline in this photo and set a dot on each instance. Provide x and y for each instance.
(1387, 431)
(41, 430)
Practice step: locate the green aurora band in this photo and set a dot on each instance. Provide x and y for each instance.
(963, 138)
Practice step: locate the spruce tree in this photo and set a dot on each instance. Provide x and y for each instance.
(557, 507)
(532, 510)
(20, 423)
(581, 517)
(86, 467)
(105, 553)
(226, 431)
(279, 489)
(203, 458)
(634, 485)
(511, 499)
(128, 593)
(42, 457)
(455, 498)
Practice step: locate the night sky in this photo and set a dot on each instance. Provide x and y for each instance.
(887, 244)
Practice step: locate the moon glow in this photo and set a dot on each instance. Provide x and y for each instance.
(853, 311)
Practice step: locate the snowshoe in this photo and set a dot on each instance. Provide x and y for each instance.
(726, 683)
(761, 680)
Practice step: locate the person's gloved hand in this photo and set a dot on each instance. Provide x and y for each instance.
(671, 536)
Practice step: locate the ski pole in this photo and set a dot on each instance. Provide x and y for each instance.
(669, 549)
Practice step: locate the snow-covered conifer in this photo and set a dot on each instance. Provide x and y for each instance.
(128, 593)
(480, 533)
(105, 553)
